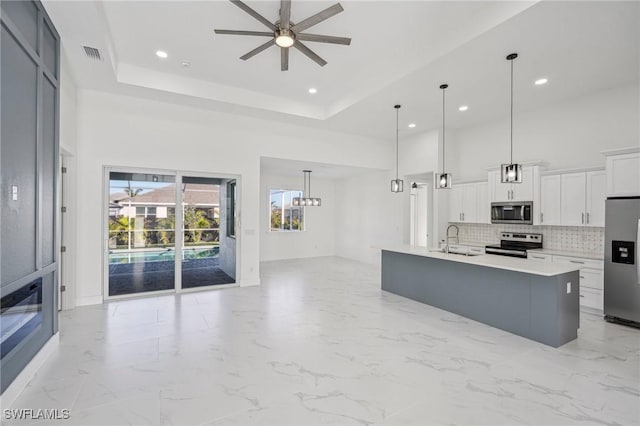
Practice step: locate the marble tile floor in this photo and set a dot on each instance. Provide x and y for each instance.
(319, 343)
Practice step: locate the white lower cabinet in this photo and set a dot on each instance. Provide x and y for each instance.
(591, 280)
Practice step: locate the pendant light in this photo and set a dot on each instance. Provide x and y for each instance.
(511, 173)
(306, 200)
(397, 185)
(443, 180)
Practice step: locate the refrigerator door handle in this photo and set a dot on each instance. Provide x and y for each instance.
(638, 255)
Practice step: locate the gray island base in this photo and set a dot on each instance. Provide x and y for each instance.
(530, 304)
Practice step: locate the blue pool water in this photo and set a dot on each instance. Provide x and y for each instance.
(162, 255)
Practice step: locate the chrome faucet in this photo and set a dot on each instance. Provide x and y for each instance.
(446, 247)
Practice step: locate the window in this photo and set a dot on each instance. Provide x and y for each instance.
(282, 215)
(231, 208)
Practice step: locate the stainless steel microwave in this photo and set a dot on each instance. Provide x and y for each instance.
(516, 212)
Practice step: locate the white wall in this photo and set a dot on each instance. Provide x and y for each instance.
(370, 216)
(566, 135)
(125, 131)
(318, 238)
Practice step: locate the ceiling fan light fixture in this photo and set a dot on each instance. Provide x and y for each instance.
(284, 38)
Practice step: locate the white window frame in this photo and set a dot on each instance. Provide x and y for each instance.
(284, 231)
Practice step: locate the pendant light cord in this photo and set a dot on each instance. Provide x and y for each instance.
(397, 132)
(512, 111)
(443, 135)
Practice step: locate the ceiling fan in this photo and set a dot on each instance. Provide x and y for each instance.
(286, 34)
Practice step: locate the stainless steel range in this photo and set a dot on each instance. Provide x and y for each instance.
(515, 244)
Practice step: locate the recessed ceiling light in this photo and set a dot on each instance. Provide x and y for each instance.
(541, 81)
(185, 64)
(161, 54)
(463, 108)
(412, 125)
(313, 90)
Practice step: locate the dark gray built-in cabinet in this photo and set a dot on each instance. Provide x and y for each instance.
(29, 109)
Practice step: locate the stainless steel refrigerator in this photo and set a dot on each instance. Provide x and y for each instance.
(621, 263)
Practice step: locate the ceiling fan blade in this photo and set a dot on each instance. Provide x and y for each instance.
(255, 14)
(249, 33)
(324, 39)
(284, 59)
(285, 14)
(258, 50)
(317, 18)
(309, 53)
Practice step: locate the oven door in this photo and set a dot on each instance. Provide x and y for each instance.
(516, 213)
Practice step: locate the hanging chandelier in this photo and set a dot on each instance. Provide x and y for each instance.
(306, 200)
(512, 172)
(443, 180)
(397, 185)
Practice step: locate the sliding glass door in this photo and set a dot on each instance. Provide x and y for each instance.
(147, 255)
(142, 218)
(201, 226)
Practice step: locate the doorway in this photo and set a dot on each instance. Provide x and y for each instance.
(419, 211)
(163, 233)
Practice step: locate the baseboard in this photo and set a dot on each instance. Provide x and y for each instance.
(16, 387)
(250, 283)
(90, 300)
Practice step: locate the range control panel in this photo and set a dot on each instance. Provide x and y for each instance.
(522, 237)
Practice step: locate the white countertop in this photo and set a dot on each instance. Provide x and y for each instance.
(581, 254)
(492, 261)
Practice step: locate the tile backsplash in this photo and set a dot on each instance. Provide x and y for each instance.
(569, 238)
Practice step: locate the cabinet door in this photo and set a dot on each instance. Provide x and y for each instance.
(455, 203)
(469, 203)
(524, 191)
(596, 195)
(573, 199)
(483, 209)
(550, 200)
(499, 191)
(623, 175)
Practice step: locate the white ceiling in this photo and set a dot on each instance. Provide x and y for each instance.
(400, 53)
(294, 168)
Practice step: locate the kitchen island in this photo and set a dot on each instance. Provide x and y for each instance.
(539, 301)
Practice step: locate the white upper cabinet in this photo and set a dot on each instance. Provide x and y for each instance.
(455, 203)
(623, 173)
(550, 200)
(501, 192)
(573, 200)
(524, 191)
(468, 202)
(596, 196)
(483, 212)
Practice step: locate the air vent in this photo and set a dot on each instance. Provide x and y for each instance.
(92, 53)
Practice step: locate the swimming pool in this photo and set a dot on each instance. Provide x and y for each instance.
(163, 255)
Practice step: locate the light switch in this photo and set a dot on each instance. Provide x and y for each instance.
(569, 287)
(14, 192)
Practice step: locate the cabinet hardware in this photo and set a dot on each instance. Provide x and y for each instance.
(541, 217)
(63, 288)
(581, 295)
(587, 218)
(576, 261)
(582, 277)
(583, 218)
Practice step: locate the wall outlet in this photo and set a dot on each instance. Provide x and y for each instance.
(569, 288)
